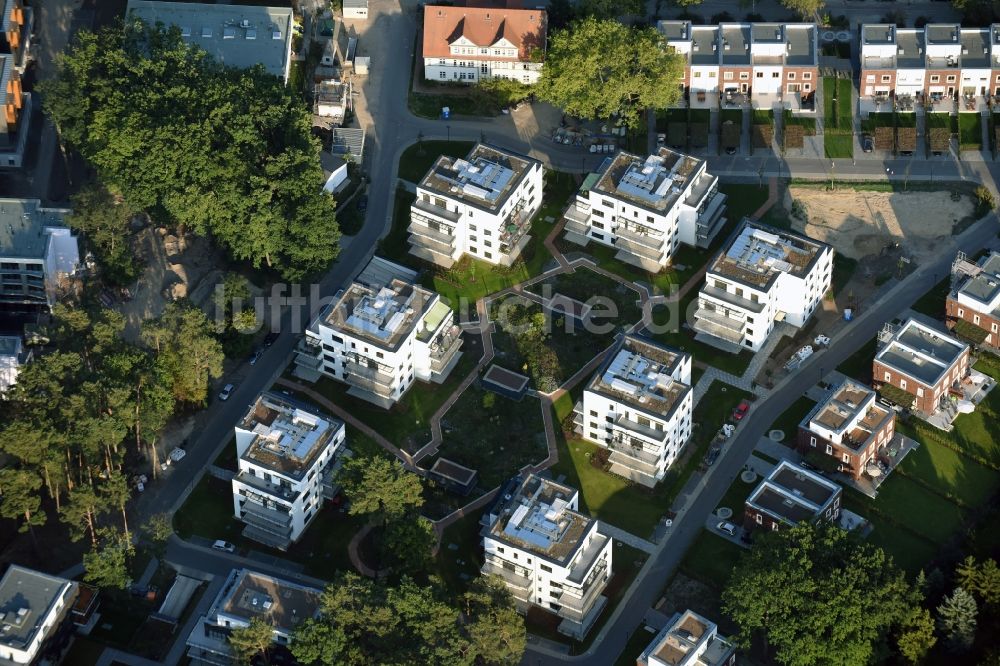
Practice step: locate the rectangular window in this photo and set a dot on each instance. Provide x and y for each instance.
(744, 76)
(886, 78)
(951, 78)
(760, 75)
(870, 78)
(935, 78)
(728, 76)
(807, 76)
(791, 76)
(775, 75)
(546, 568)
(812, 442)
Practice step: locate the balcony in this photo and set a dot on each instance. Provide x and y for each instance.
(638, 260)
(359, 366)
(731, 299)
(309, 355)
(715, 330)
(719, 319)
(711, 220)
(658, 436)
(261, 515)
(281, 492)
(422, 232)
(640, 235)
(510, 576)
(266, 538)
(365, 384)
(633, 449)
(443, 350)
(442, 259)
(428, 208)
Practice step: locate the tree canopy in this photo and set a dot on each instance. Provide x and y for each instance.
(599, 68)
(227, 152)
(366, 622)
(381, 488)
(817, 596)
(804, 8)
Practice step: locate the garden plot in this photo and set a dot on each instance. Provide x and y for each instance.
(861, 223)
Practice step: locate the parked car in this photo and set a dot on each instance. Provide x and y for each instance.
(226, 391)
(257, 353)
(731, 150)
(741, 410)
(867, 143)
(269, 339)
(224, 546)
(712, 455)
(727, 527)
(178, 454)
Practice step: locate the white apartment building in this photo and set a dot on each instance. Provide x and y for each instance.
(13, 356)
(765, 275)
(380, 334)
(244, 596)
(646, 207)
(638, 405)
(38, 254)
(288, 455)
(550, 555)
(688, 639)
(481, 206)
(37, 618)
(732, 64)
(469, 44)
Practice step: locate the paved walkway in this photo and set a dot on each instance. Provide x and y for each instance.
(619, 534)
(746, 381)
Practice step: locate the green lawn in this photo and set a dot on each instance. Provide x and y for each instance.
(208, 513)
(736, 497)
(460, 101)
(406, 424)
(911, 552)
(838, 132)
(948, 471)
(877, 120)
(918, 509)
(742, 201)
(492, 434)
(838, 145)
(970, 131)
(227, 457)
(733, 115)
(763, 117)
(938, 120)
(460, 553)
(640, 639)
(807, 124)
(417, 160)
(859, 364)
(932, 303)
(615, 303)
(711, 559)
(906, 119)
(789, 420)
(843, 271)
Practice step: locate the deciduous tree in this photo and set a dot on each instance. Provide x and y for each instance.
(804, 8)
(602, 68)
(917, 636)
(104, 221)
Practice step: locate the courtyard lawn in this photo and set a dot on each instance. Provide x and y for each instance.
(918, 509)
(736, 496)
(807, 124)
(417, 160)
(460, 554)
(970, 131)
(640, 639)
(838, 145)
(493, 434)
(407, 423)
(584, 284)
(742, 201)
(838, 133)
(763, 117)
(910, 551)
(789, 420)
(711, 559)
(955, 475)
(731, 115)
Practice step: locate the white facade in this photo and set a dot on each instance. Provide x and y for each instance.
(35, 607)
(638, 406)
(457, 70)
(481, 206)
(549, 555)
(380, 338)
(689, 640)
(646, 207)
(287, 457)
(38, 253)
(356, 9)
(765, 275)
(247, 595)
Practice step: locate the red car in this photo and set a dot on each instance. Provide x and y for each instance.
(741, 411)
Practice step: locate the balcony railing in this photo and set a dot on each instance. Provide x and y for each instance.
(365, 384)
(446, 349)
(622, 443)
(266, 538)
(638, 249)
(723, 332)
(437, 211)
(417, 228)
(376, 374)
(714, 316)
(258, 512)
(512, 577)
(640, 235)
(646, 431)
(309, 355)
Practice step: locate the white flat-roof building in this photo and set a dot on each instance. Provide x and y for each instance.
(550, 555)
(38, 252)
(638, 405)
(764, 275)
(356, 9)
(378, 336)
(646, 207)
(688, 639)
(481, 205)
(235, 35)
(37, 619)
(244, 596)
(288, 455)
(13, 355)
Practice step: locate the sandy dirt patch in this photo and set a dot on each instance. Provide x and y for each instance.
(860, 224)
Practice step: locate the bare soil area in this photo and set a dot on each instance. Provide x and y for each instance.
(860, 224)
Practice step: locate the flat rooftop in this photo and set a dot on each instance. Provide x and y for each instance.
(537, 519)
(921, 352)
(655, 182)
(282, 604)
(985, 285)
(640, 374)
(878, 33)
(22, 227)
(801, 44)
(844, 406)
(235, 35)
(758, 254)
(675, 31)
(705, 45)
(26, 599)
(735, 43)
(452, 470)
(485, 177)
(910, 51)
(793, 493)
(385, 316)
(688, 640)
(289, 438)
(975, 47)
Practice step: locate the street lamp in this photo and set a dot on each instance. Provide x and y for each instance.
(832, 166)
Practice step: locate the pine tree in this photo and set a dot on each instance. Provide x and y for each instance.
(957, 619)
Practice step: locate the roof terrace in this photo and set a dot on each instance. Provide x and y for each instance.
(921, 352)
(844, 407)
(288, 439)
(655, 183)
(758, 254)
(22, 227)
(282, 604)
(386, 316)
(984, 286)
(485, 177)
(641, 374)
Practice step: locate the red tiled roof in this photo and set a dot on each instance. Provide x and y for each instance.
(483, 26)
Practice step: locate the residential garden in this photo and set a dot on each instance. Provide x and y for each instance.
(838, 128)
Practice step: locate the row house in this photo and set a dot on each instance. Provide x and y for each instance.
(972, 308)
(688, 639)
(39, 255)
(921, 361)
(851, 427)
(379, 336)
(549, 554)
(481, 205)
(469, 44)
(936, 64)
(765, 275)
(287, 458)
(789, 495)
(638, 406)
(646, 207)
(736, 63)
(16, 25)
(38, 617)
(246, 596)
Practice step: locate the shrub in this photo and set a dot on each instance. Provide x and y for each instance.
(984, 201)
(799, 211)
